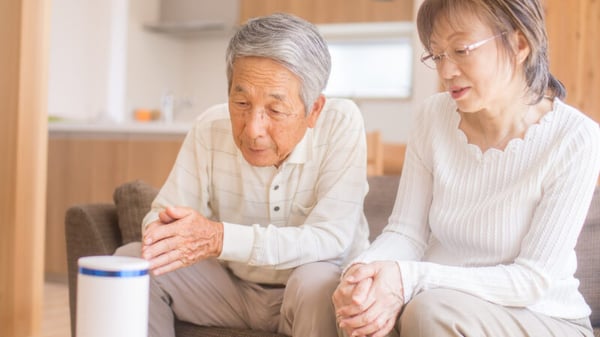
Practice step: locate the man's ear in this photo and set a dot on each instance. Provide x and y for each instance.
(315, 111)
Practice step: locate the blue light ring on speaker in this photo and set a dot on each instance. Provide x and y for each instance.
(113, 273)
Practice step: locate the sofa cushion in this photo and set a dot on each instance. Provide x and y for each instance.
(133, 200)
(588, 259)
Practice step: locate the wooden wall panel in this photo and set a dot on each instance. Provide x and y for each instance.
(573, 28)
(23, 78)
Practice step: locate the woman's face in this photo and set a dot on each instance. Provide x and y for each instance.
(484, 77)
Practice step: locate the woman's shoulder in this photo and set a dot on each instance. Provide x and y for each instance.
(571, 119)
(573, 129)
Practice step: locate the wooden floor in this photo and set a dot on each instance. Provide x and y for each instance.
(56, 321)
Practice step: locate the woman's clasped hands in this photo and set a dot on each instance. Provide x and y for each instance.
(369, 298)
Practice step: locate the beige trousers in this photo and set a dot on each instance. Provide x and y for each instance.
(208, 294)
(445, 313)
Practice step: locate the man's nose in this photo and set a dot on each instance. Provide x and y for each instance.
(256, 122)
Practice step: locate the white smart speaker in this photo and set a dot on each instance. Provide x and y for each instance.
(112, 297)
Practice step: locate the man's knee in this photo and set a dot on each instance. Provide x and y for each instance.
(307, 309)
(132, 249)
(314, 281)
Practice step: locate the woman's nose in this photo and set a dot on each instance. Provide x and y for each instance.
(447, 69)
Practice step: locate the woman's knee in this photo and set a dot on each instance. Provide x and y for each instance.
(431, 312)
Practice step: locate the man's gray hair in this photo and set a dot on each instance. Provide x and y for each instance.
(291, 41)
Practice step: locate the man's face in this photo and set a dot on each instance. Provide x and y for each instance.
(267, 114)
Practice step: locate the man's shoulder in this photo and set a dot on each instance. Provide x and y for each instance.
(342, 106)
(340, 111)
(214, 119)
(213, 113)
(212, 129)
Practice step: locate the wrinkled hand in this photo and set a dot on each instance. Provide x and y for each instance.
(375, 313)
(351, 298)
(180, 237)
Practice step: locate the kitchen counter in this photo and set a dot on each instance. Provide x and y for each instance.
(116, 129)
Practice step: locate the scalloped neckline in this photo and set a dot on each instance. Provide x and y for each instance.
(512, 144)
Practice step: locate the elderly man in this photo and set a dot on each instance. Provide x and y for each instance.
(264, 203)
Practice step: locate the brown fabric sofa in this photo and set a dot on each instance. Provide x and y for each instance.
(98, 229)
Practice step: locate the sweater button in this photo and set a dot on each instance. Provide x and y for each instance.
(276, 208)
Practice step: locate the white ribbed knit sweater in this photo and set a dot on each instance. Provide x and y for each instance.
(501, 225)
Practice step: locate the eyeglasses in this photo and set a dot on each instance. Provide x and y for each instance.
(457, 55)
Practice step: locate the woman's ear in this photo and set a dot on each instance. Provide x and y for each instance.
(523, 48)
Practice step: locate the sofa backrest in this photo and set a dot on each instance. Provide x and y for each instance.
(588, 258)
(380, 201)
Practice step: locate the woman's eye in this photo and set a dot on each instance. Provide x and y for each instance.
(461, 52)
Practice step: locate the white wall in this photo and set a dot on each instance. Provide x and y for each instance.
(192, 68)
(78, 65)
(155, 62)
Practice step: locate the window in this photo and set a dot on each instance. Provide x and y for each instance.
(370, 60)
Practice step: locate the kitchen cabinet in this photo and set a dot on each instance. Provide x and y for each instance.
(332, 11)
(87, 167)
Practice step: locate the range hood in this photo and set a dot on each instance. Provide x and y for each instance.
(191, 17)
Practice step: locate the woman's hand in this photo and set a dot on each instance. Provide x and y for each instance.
(350, 298)
(374, 313)
(180, 238)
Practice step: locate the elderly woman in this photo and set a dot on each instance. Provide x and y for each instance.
(499, 174)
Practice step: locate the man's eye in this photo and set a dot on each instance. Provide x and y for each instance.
(275, 114)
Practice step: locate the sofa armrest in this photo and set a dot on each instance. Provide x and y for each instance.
(90, 229)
